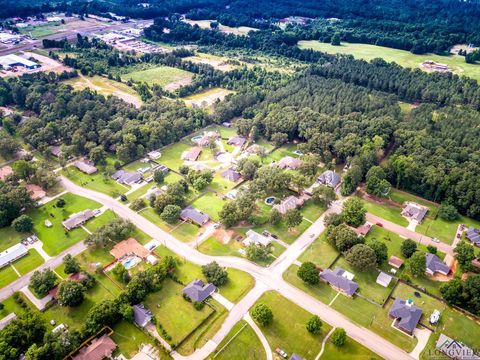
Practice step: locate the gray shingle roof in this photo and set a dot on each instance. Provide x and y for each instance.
(408, 315)
(289, 162)
(336, 279)
(124, 177)
(415, 212)
(192, 214)
(383, 279)
(78, 219)
(197, 290)
(473, 235)
(434, 264)
(296, 357)
(290, 202)
(231, 175)
(329, 178)
(141, 315)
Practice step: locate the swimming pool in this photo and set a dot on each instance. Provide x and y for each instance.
(270, 200)
(130, 262)
(195, 139)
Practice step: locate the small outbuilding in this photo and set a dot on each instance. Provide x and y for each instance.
(383, 279)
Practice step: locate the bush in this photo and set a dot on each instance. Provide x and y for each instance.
(215, 274)
(448, 212)
(361, 257)
(309, 273)
(138, 204)
(70, 293)
(186, 298)
(198, 305)
(408, 248)
(60, 203)
(23, 223)
(431, 249)
(339, 337)
(314, 325)
(262, 314)
(42, 282)
(70, 264)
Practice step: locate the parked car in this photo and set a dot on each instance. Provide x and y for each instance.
(266, 233)
(274, 236)
(379, 224)
(216, 226)
(281, 353)
(435, 240)
(96, 211)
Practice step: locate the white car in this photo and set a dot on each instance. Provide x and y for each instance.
(435, 240)
(434, 317)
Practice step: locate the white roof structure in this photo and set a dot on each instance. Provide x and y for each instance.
(12, 60)
(384, 279)
(256, 238)
(12, 254)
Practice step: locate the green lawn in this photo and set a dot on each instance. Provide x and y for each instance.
(311, 211)
(320, 252)
(11, 306)
(29, 262)
(161, 75)
(210, 204)
(240, 343)
(99, 181)
(171, 155)
(10, 237)
(401, 57)
(387, 212)
(212, 246)
(7, 275)
(350, 350)
(220, 184)
(176, 315)
(239, 284)
(101, 220)
(55, 239)
(187, 232)
(287, 331)
(129, 338)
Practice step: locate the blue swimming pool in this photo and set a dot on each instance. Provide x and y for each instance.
(270, 200)
(130, 262)
(196, 138)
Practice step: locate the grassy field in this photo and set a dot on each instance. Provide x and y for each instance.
(210, 204)
(10, 237)
(55, 239)
(171, 155)
(321, 253)
(29, 262)
(98, 182)
(7, 275)
(164, 76)
(350, 350)
(287, 331)
(106, 87)
(101, 220)
(11, 306)
(176, 315)
(240, 343)
(207, 97)
(205, 24)
(128, 338)
(401, 57)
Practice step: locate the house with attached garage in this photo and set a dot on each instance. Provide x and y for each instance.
(341, 280)
(406, 315)
(290, 163)
(127, 178)
(195, 216)
(329, 178)
(198, 291)
(289, 203)
(141, 315)
(78, 219)
(473, 235)
(435, 265)
(414, 211)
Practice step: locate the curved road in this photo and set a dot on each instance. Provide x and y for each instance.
(266, 278)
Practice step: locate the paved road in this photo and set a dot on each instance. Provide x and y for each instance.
(403, 231)
(266, 279)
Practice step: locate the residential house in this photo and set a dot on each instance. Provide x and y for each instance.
(162, 168)
(198, 291)
(11, 254)
(340, 280)
(207, 138)
(127, 178)
(98, 349)
(395, 262)
(289, 203)
(129, 247)
(289, 162)
(5, 171)
(191, 214)
(141, 315)
(154, 155)
(78, 219)
(56, 150)
(78, 276)
(329, 178)
(435, 265)
(383, 279)
(455, 349)
(36, 192)
(231, 175)
(86, 166)
(406, 315)
(236, 141)
(473, 235)
(414, 211)
(192, 154)
(256, 238)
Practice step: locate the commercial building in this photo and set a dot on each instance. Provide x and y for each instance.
(10, 61)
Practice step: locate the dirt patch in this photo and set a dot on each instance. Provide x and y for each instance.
(224, 236)
(221, 65)
(178, 84)
(207, 98)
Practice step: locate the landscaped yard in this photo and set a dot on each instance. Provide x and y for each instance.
(129, 338)
(387, 212)
(350, 350)
(29, 262)
(55, 239)
(101, 182)
(176, 315)
(101, 220)
(320, 252)
(9, 237)
(171, 155)
(210, 204)
(165, 76)
(240, 343)
(287, 331)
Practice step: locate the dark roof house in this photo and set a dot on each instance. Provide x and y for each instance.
(406, 314)
(98, 349)
(198, 291)
(191, 214)
(127, 178)
(231, 175)
(290, 202)
(473, 235)
(414, 211)
(339, 280)
(78, 219)
(329, 178)
(434, 265)
(141, 315)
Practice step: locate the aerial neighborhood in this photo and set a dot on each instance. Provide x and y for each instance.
(239, 180)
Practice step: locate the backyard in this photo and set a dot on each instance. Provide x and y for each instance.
(240, 343)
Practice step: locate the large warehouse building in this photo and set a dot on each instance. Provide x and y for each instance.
(10, 61)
